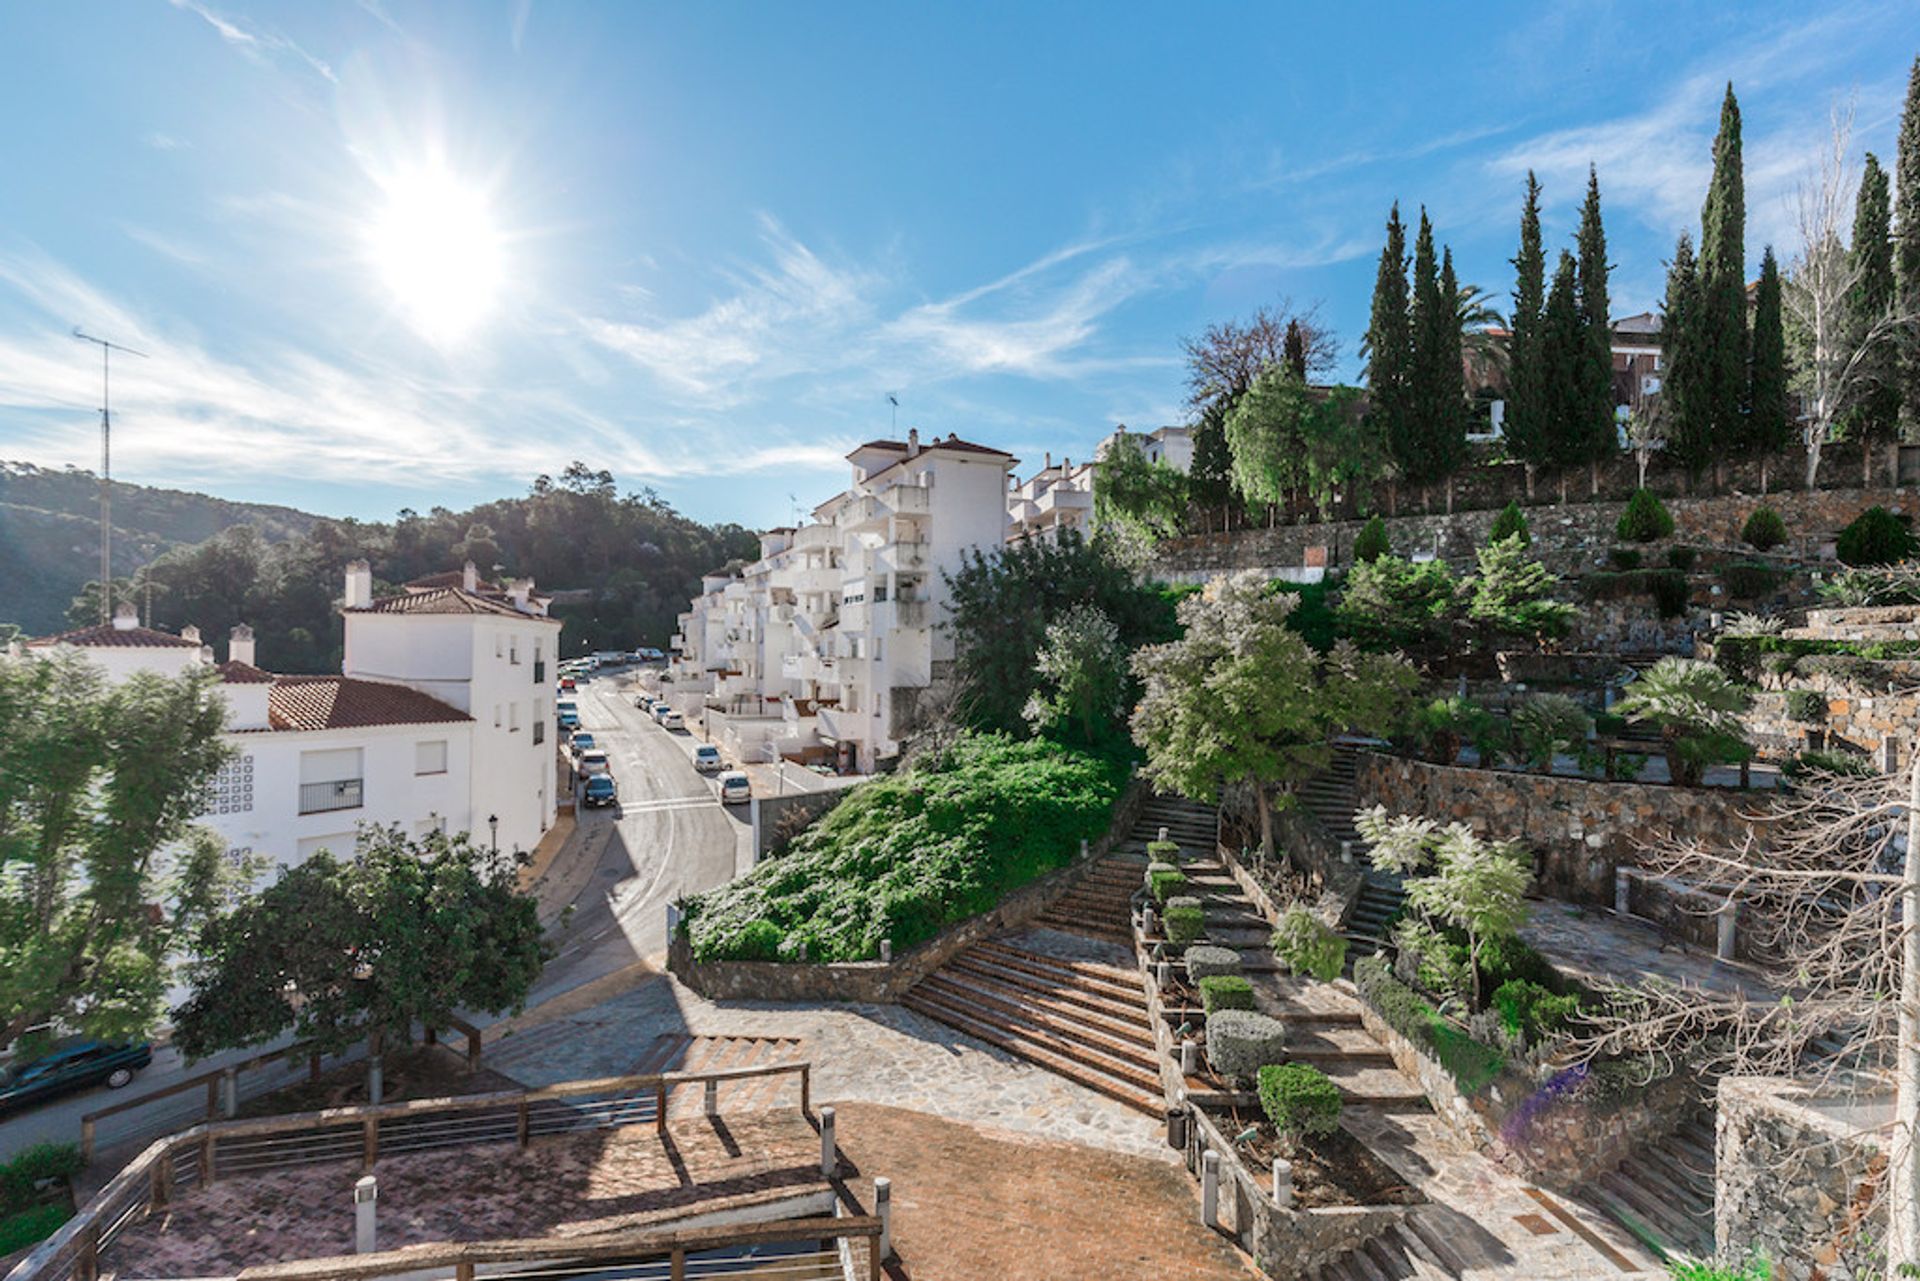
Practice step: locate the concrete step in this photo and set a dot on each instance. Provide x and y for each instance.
(1112, 1035)
(1124, 980)
(1100, 1000)
(1137, 1087)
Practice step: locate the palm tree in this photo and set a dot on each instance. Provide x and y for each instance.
(1697, 707)
(1485, 351)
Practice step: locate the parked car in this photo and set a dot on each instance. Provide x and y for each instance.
(77, 1065)
(569, 722)
(644, 702)
(599, 792)
(660, 708)
(569, 684)
(673, 720)
(567, 705)
(734, 788)
(706, 758)
(593, 762)
(580, 742)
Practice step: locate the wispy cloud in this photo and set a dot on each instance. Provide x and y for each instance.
(167, 142)
(262, 46)
(164, 245)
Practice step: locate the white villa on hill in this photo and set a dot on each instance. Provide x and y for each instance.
(439, 720)
(1055, 498)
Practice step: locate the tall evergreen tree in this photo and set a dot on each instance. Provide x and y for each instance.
(1295, 351)
(1689, 433)
(1875, 417)
(1593, 424)
(1210, 477)
(1525, 436)
(1418, 450)
(1563, 353)
(1906, 253)
(1389, 345)
(1721, 320)
(1769, 427)
(1448, 435)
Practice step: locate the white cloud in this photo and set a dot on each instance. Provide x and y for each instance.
(167, 142)
(261, 46)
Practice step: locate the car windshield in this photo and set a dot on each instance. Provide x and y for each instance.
(599, 784)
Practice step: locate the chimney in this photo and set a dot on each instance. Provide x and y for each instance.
(125, 617)
(359, 585)
(1049, 466)
(518, 590)
(470, 577)
(240, 645)
(206, 655)
(190, 633)
(913, 442)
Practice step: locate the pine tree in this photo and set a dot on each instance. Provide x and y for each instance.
(1449, 431)
(1388, 342)
(1418, 450)
(1563, 353)
(1906, 252)
(1210, 477)
(1688, 428)
(1295, 351)
(1768, 426)
(1721, 320)
(1522, 429)
(1593, 426)
(1875, 418)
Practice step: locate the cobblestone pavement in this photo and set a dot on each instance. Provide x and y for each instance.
(1601, 948)
(869, 1053)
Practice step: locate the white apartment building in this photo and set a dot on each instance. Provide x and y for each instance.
(1170, 445)
(828, 643)
(1054, 499)
(407, 735)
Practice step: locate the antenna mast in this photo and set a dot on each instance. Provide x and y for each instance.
(895, 402)
(106, 465)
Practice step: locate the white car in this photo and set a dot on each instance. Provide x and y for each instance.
(593, 762)
(673, 720)
(734, 788)
(706, 758)
(660, 708)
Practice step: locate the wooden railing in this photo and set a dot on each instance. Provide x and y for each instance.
(204, 1153)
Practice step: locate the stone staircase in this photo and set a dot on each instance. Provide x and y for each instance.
(1078, 1019)
(1101, 904)
(1412, 1249)
(1663, 1193)
(1331, 798)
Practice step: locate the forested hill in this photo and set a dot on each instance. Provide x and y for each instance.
(639, 558)
(50, 534)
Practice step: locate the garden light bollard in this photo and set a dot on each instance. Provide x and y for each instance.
(1210, 1189)
(1163, 833)
(1282, 1183)
(376, 1082)
(883, 1210)
(829, 1159)
(1622, 891)
(886, 951)
(1189, 1057)
(1177, 1128)
(1346, 851)
(1163, 972)
(366, 1198)
(1728, 915)
(1083, 848)
(1149, 920)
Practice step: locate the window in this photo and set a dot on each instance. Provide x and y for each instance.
(429, 825)
(513, 718)
(539, 731)
(879, 593)
(499, 644)
(430, 756)
(496, 716)
(513, 650)
(876, 648)
(330, 780)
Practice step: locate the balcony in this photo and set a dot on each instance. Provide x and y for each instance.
(906, 553)
(908, 500)
(1060, 499)
(814, 536)
(340, 794)
(909, 613)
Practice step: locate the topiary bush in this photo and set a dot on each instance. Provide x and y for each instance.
(1372, 542)
(1299, 1099)
(1876, 537)
(1749, 579)
(1220, 992)
(1645, 520)
(1185, 924)
(1623, 558)
(1511, 523)
(1682, 558)
(1165, 884)
(1669, 588)
(1241, 1042)
(1308, 945)
(1764, 530)
(1207, 961)
(1806, 705)
(1166, 852)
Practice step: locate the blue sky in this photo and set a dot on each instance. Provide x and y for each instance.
(700, 244)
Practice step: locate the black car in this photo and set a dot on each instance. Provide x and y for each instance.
(599, 791)
(77, 1065)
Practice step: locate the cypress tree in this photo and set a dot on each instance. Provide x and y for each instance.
(1525, 438)
(1449, 433)
(1563, 352)
(1593, 423)
(1688, 428)
(1721, 383)
(1906, 252)
(1210, 478)
(1294, 350)
(1875, 416)
(1388, 342)
(1769, 427)
(1416, 450)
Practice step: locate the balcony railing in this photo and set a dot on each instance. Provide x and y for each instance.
(340, 794)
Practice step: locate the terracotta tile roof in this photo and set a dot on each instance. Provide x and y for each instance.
(451, 578)
(342, 702)
(106, 635)
(950, 442)
(446, 600)
(243, 674)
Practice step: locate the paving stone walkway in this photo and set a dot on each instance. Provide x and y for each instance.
(1599, 947)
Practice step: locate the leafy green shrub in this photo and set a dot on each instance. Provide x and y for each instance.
(1669, 588)
(1510, 523)
(1241, 1042)
(1645, 520)
(1186, 924)
(757, 941)
(1167, 852)
(906, 855)
(1371, 543)
(1547, 725)
(1299, 1099)
(1750, 579)
(1623, 558)
(1426, 956)
(39, 1163)
(1390, 602)
(1512, 594)
(1697, 708)
(1815, 763)
(1164, 885)
(1308, 945)
(1876, 537)
(30, 1226)
(1225, 992)
(1682, 558)
(1471, 1064)
(1531, 1010)
(1450, 723)
(1764, 530)
(1806, 705)
(1207, 961)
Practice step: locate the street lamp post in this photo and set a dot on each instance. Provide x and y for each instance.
(493, 824)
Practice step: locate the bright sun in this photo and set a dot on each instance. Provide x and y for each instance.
(437, 250)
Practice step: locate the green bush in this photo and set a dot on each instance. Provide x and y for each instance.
(1445, 725)
(1682, 558)
(1167, 852)
(1742, 657)
(1185, 924)
(1814, 763)
(1471, 1064)
(1207, 961)
(1225, 992)
(1511, 523)
(1531, 1010)
(39, 1163)
(906, 855)
(1806, 705)
(1299, 1099)
(1876, 537)
(1623, 558)
(1241, 1042)
(1754, 1268)
(1645, 520)
(1371, 543)
(1669, 587)
(1547, 725)
(30, 1226)
(1750, 579)
(1390, 603)
(1308, 945)
(1165, 885)
(1312, 618)
(1764, 530)
(757, 941)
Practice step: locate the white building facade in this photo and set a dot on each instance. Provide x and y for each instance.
(1053, 500)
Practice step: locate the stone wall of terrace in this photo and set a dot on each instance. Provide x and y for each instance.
(1864, 705)
(1870, 623)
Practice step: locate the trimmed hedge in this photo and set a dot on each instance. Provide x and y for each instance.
(1185, 924)
(1510, 523)
(1166, 884)
(1225, 992)
(1645, 520)
(1750, 579)
(1241, 1042)
(1471, 1065)
(1164, 851)
(1764, 530)
(1207, 961)
(1300, 1099)
(1682, 558)
(1876, 537)
(1624, 558)
(1371, 543)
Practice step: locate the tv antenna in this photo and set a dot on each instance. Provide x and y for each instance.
(106, 464)
(895, 402)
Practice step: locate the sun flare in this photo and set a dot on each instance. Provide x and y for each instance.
(437, 251)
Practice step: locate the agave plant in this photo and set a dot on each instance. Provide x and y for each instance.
(1697, 707)
(1741, 623)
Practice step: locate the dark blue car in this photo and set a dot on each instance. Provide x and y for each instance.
(77, 1065)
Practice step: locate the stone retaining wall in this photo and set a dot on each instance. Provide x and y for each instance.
(1581, 829)
(880, 982)
(1796, 1178)
(784, 817)
(1862, 623)
(1861, 712)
